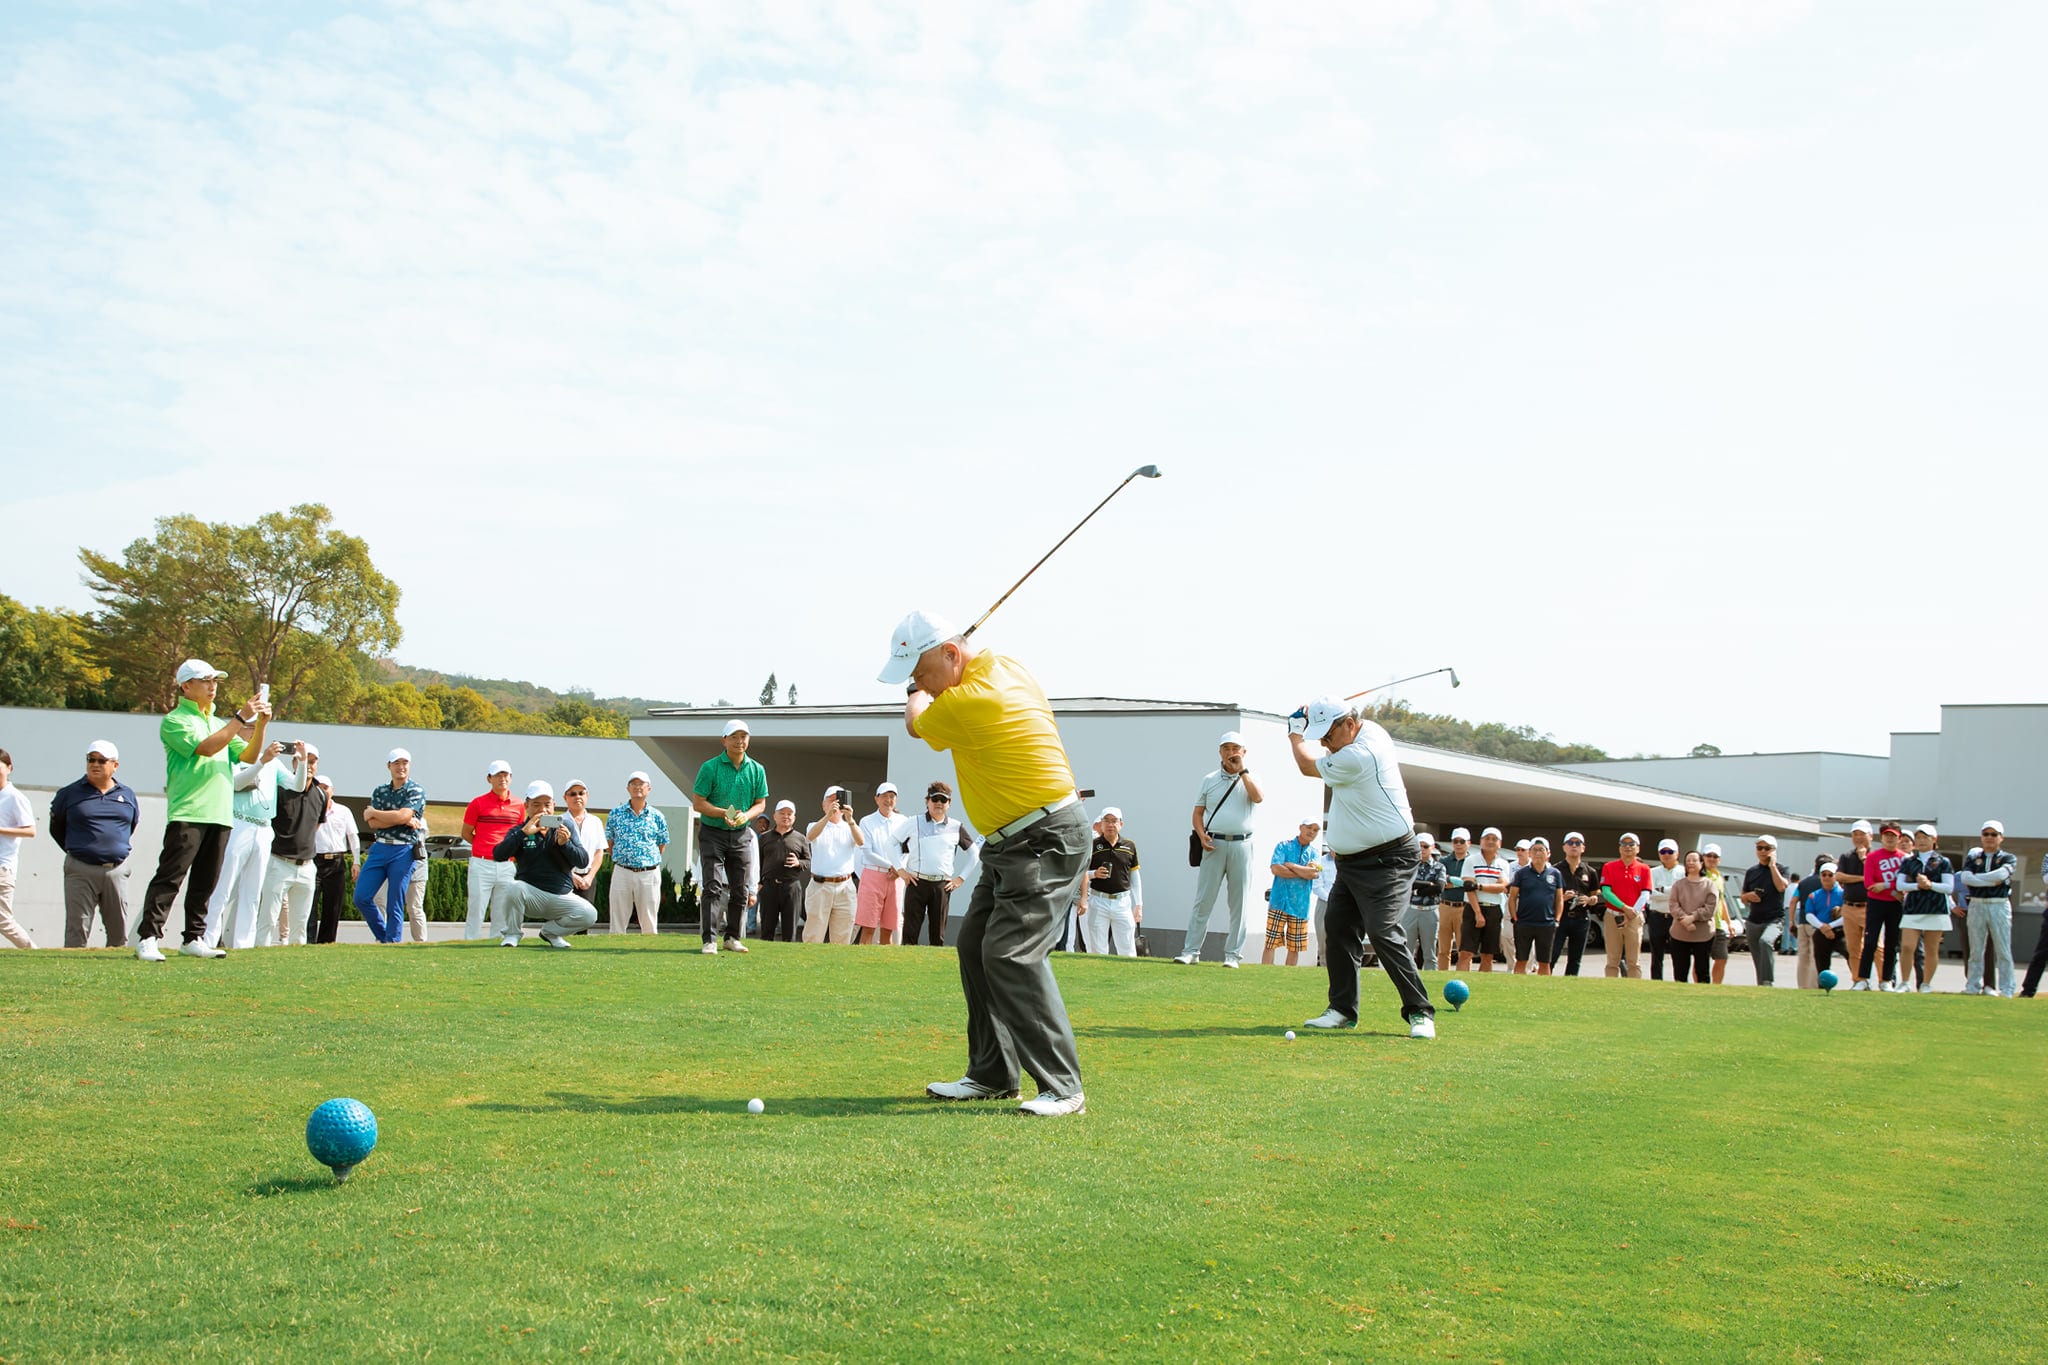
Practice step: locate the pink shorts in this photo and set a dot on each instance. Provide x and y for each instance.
(880, 904)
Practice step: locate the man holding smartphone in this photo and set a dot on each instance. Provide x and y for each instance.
(830, 902)
(546, 853)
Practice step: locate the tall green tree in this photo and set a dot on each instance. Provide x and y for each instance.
(275, 601)
(46, 659)
(768, 691)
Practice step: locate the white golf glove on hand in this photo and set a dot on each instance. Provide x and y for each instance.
(1297, 724)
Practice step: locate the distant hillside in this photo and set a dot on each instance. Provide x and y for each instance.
(514, 695)
(1518, 743)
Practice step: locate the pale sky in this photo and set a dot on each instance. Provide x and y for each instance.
(1610, 352)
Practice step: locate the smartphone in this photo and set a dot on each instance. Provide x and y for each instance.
(263, 691)
(552, 822)
(290, 746)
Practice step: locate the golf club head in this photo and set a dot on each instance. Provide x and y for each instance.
(1145, 471)
(1454, 676)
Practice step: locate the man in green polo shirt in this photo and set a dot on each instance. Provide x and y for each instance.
(200, 751)
(731, 790)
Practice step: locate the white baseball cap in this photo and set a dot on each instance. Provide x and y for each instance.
(1575, 835)
(1494, 830)
(1539, 839)
(1426, 838)
(1109, 811)
(1827, 870)
(914, 634)
(637, 776)
(1770, 839)
(308, 748)
(538, 788)
(1928, 830)
(575, 782)
(1461, 833)
(1322, 713)
(1230, 737)
(886, 789)
(192, 670)
(1629, 838)
(1711, 851)
(735, 726)
(1315, 820)
(105, 749)
(785, 805)
(1523, 844)
(1861, 827)
(498, 765)
(398, 756)
(1995, 826)
(1667, 845)
(324, 780)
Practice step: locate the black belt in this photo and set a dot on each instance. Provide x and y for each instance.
(628, 867)
(1230, 838)
(324, 857)
(287, 858)
(2001, 894)
(90, 863)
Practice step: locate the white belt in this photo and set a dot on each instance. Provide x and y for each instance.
(1024, 822)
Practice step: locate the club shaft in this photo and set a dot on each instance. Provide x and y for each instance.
(1048, 555)
(1396, 683)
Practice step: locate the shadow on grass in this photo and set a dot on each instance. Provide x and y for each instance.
(803, 1106)
(1258, 1031)
(290, 1184)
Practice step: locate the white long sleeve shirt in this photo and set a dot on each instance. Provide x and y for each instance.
(337, 833)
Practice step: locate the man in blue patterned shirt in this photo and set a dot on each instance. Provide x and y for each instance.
(638, 834)
(398, 821)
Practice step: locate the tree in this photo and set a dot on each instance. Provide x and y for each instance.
(279, 599)
(46, 660)
(1518, 743)
(768, 691)
(792, 695)
(1706, 751)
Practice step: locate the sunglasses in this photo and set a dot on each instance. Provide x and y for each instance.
(96, 758)
(942, 800)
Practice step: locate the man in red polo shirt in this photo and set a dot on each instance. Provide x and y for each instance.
(1880, 866)
(1624, 891)
(488, 819)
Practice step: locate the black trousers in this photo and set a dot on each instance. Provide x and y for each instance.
(2034, 968)
(926, 902)
(1571, 933)
(1884, 915)
(196, 849)
(722, 881)
(1825, 950)
(779, 904)
(1660, 941)
(1369, 901)
(330, 893)
(1698, 956)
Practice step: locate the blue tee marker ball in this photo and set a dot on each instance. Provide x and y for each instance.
(340, 1134)
(1828, 981)
(1457, 992)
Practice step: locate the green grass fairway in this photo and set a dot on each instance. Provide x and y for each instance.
(1574, 1171)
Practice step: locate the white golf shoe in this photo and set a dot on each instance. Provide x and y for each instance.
(1232, 963)
(554, 940)
(733, 945)
(965, 1089)
(1330, 1019)
(1422, 1026)
(710, 948)
(198, 948)
(1860, 986)
(148, 950)
(509, 941)
(1052, 1107)
(1186, 959)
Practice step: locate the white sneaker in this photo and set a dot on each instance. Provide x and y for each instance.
(1973, 989)
(1422, 1026)
(1047, 1107)
(554, 940)
(1186, 959)
(197, 948)
(710, 949)
(1927, 988)
(965, 1089)
(1330, 1019)
(148, 951)
(1232, 963)
(733, 945)
(1860, 986)
(509, 941)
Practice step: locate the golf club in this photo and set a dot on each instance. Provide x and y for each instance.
(1145, 471)
(1298, 713)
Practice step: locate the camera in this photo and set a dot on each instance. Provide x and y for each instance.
(552, 822)
(289, 746)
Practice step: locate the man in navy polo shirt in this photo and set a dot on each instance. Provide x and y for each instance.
(93, 820)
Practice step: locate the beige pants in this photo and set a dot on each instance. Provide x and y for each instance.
(1808, 974)
(9, 930)
(1449, 914)
(1624, 943)
(635, 892)
(1852, 933)
(828, 911)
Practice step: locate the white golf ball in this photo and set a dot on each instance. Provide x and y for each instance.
(755, 1106)
(1290, 1035)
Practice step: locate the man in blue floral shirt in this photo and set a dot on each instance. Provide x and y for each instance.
(638, 834)
(398, 822)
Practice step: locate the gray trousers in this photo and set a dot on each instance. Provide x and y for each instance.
(1989, 921)
(1763, 951)
(1226, 865)
(1016, 1019)
(91, 889)
(517, 902)
(1369, 901)
(1419, 922)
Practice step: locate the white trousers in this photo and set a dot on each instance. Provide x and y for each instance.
(293, 883)
(1111, 925)
(232, 906)
(635, 893)
(485, 877)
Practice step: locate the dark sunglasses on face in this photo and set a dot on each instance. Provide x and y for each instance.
(942, 800)
(96, 758)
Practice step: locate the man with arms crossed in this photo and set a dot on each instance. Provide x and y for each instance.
(397, 818)
(1371, 834)
(1989, 873)
(936, 866)
(1223, 823)
(93, 820)
(1019, 790)
(1485, 874)
(200, 753)
(1450, 909)
(1294, 868)
(1423, 897)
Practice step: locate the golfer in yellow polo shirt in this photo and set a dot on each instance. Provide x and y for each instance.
(1016, 785)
